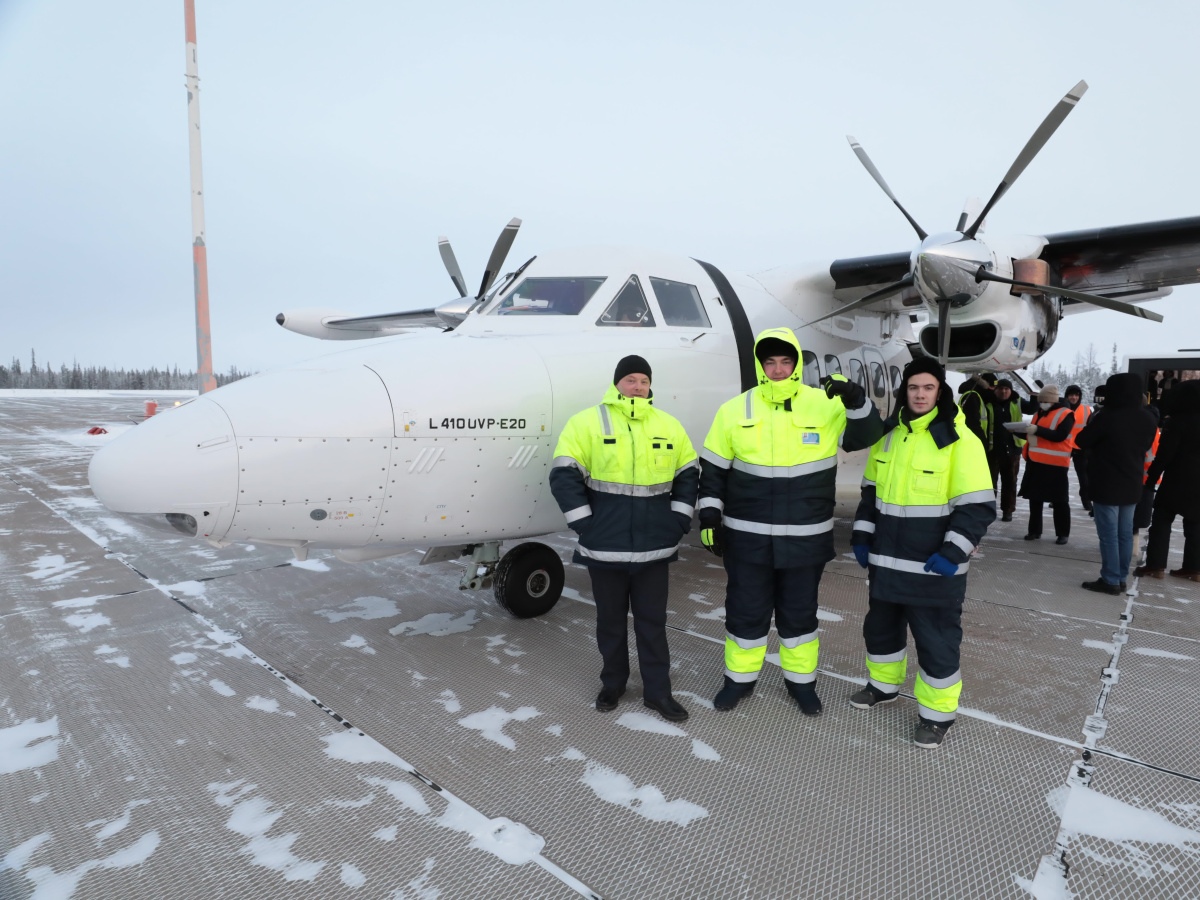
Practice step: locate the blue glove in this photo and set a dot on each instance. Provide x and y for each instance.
(860, 553)
(939, 565)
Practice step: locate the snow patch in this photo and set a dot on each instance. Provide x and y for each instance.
(701, 750)
(122, 661)
(357, 642)
(188, 588)
(1162, 654)
(313, 565)
(438, 624)
(104, 648)
(1085, 811)
(352, 877)
(182, 659)
(28, 745)
(508, 840)
(361, 608)
(696, 698)
(86, 622)
(356, 747)
(53, 885)
(53, 568)
(268, 705)
(253, 817)
(449, 701)
(403, 793)
(222, 688)
(647, 801)
(637, 721)
(717, 614)
(828, 616)
(572, 594)
(490, 722)
(386, 834)
(555, 730)
(1099, 645)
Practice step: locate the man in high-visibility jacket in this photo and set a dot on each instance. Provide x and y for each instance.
(1083, 412)
(974, 406)
(1004, 447)
(1047, 457)
(927, 500)
(625, 477)
(767, 489)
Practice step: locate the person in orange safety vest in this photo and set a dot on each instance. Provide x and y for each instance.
(1047, 457)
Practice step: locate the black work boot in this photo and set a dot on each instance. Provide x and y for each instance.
(731, 692)
(606, 700)
(806, 697)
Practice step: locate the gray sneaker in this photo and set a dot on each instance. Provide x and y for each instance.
(870, 696)
(929, 734)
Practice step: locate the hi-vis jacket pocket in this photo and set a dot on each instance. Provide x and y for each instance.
(931, 477)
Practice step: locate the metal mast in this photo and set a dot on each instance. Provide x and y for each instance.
(204, 366)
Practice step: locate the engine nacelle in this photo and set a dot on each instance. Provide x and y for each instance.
(311, 323)
(998, 331)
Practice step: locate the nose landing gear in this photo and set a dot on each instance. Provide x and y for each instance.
(527, 581)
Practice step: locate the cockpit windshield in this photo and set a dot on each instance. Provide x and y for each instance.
(548, 297)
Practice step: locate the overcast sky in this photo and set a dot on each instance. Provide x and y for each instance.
(341, 139)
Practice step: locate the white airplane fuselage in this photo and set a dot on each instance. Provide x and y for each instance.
(446, 438)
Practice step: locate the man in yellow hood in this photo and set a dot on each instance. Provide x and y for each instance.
(767, 490)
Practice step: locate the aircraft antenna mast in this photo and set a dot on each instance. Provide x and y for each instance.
(204, 365)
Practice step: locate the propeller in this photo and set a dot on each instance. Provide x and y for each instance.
(1031, 149)
(874, 172)
(495, 261)
(906, 281)
(943, 265)
(1095, 299)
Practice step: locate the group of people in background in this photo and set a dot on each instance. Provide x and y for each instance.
(1120, 455)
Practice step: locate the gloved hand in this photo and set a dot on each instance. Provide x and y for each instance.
(1030, 428)
(1039, 382)
(712, 538)
(838, 386)
(939, 565)
(860, 553)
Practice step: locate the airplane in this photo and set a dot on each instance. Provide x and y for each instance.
(442, 438)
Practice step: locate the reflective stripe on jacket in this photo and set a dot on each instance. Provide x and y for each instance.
(1014, 415)
(1051, 453)
(926, 489)
(769, 468)
(625, 476)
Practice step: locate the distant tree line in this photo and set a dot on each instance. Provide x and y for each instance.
(1086, 371)
(77, 377)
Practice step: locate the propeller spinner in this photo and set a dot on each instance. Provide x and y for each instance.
(950, 270)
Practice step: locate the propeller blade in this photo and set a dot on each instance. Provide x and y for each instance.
(874, 172)
(451, 264)
(943, 330)
(1032, 148)
(1094, 299)
(499, 253)
(900, 285)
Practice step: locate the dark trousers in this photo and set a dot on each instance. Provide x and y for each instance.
(1062, 518)
(936, 630)
(754, 592)
(1079, 461)
(616, 591)
(1006, 468)
(1160, 540)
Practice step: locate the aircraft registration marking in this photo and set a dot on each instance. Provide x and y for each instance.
(467, 424)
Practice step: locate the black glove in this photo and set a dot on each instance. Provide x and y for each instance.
(851, 393)
(713, 538)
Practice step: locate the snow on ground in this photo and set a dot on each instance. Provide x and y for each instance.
(1164, 654)
(647, 801)
(490, 722)
(361, 608)
(359, 643)
(438, 624)
(313, 565)
(252, 817)
(28, 745)
(53, 568)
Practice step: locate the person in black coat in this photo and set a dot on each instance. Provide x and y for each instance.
(1116, 440)
(1047, 456)
(1178, 461)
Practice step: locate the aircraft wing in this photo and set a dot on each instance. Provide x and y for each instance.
(857, 277)
(1127, 260)
(387, 322)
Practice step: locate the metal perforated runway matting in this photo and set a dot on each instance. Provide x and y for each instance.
(181, 721)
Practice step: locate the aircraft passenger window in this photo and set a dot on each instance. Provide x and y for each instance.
(629, 307)
(857, 374)
(895, 373)
(680, 303)
(877, 383)
(832, 365)
(812, 375)
(548, 297)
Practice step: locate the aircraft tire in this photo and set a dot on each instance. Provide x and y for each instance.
(529, 580)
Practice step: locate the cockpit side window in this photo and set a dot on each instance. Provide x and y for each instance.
(680, 303)
(629, 308)
(548, 297)
(812, 374)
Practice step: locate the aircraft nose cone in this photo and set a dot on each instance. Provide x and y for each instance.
(184, 461)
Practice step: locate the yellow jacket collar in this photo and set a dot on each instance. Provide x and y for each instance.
(629, 407)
